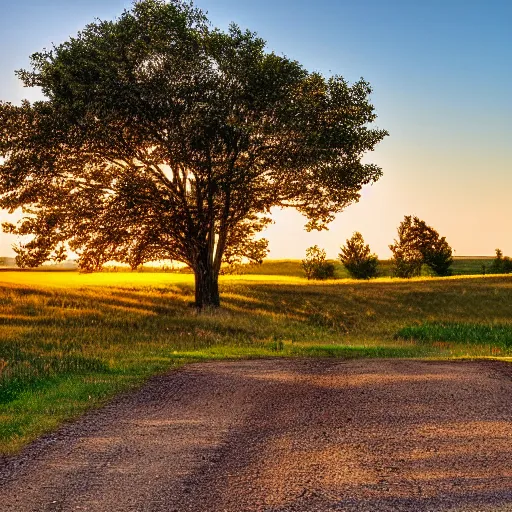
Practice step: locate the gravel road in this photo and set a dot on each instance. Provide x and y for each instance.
(283, 435)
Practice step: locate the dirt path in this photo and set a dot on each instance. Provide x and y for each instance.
(283, 435)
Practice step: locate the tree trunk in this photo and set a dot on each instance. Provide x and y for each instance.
(207, 287)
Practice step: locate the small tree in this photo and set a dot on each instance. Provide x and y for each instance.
(315, 265)
(420, 244)
(358, 259)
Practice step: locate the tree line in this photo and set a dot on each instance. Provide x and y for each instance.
(417, 245)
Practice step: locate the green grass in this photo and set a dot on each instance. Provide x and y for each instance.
(293, 268)
(471, 265)
(498, 336)
(69, 342)
(461, 266)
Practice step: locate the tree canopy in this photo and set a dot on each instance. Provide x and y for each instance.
(164, 138)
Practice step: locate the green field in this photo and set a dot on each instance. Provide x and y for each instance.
(461, 266)
(68, 342)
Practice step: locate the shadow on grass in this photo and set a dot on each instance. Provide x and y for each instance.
(370, 307)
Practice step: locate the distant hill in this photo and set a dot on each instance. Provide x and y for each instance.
(462, 265)
(7, 262)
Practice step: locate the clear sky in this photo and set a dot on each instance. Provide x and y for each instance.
(441, 72)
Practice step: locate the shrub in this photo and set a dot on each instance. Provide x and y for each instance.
(358, 259)
(501, 264)
(438, 257)
(315, 265)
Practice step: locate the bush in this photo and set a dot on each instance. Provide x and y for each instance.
(315, 265)
(501, 264)
(358, 259)
(439, 257)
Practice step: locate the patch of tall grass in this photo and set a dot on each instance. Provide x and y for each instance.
(496, 335)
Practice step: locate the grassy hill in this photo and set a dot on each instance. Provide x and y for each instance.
(463, 265)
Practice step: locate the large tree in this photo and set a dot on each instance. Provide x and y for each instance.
(162, 138)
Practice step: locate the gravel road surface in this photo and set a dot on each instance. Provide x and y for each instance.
(283, 435)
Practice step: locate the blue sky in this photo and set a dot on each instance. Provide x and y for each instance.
(441, 73)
